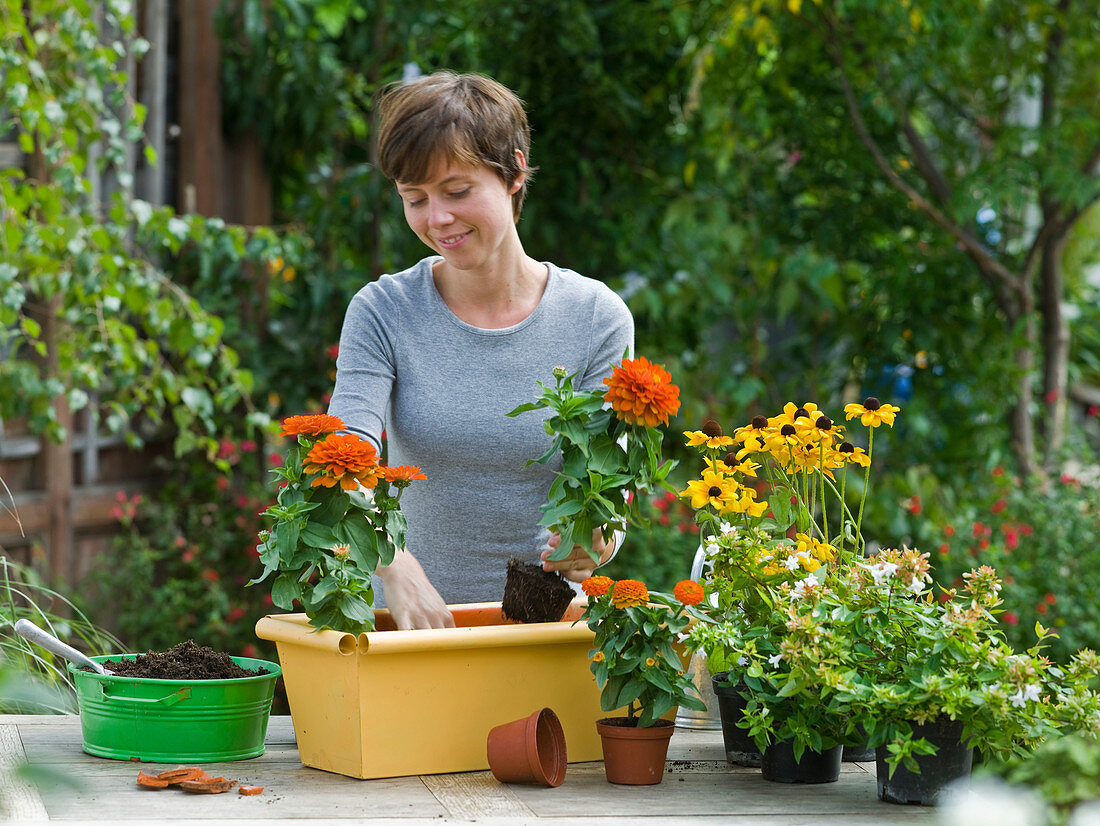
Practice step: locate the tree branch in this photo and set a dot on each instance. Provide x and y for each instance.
(1090, 166)
(926, 165)
(989, 266)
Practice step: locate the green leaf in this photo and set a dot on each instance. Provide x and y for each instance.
(318, 536)
(362, 540)
(357, 609)
(285, 590)
(525, 408)
(605, 456)
(553, 515)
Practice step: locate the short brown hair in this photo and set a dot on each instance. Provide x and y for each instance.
(467, 118)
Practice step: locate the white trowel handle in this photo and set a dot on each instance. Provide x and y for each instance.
(29, 631)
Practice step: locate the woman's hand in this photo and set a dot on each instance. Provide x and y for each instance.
(411, 598)
(578, 566)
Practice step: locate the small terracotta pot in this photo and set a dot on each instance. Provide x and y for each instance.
(529, 750)
(634, 756)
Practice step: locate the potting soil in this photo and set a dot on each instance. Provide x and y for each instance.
(534, 595)
(186, 661)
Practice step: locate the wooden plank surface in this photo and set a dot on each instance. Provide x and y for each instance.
(699, 787)
(19, 800)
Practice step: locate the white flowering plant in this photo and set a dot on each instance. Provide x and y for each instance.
(875, 646)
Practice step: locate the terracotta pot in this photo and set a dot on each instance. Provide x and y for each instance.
(530, 750)
(634, 756)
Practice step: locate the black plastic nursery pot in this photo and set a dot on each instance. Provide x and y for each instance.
(859, 753)
(778, 764)
(951, 762)
(732, 698)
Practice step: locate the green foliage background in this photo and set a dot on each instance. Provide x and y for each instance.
(699, 157)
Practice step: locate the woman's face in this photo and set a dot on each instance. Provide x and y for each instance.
(462, 212)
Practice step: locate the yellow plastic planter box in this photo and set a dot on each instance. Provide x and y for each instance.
(394, 703)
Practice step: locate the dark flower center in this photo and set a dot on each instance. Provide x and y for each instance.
(801, 413)
(714, 491)
(824, 423)
(759, 422)
(847, 447)
(787, 430)
(731, 459)
(711, 428)
(871, 403)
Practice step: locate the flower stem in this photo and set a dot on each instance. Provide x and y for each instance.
(866, 483)
(824, 515)
(843, 506)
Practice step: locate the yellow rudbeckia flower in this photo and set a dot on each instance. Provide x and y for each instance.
(872, 412)
(713, 489)
(809, 545)
(793, 414)
(851, 454)
(698, 437)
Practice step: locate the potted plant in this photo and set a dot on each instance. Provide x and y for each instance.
(754, 547)
(382, 703)
(932, 679)
(381, 685)
(637, 667)
(328, 536)
(798, 728)
(609, 446)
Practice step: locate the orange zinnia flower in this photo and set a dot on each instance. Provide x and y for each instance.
(402, 474)
(627, 593)
(642, 393)
(688, 591)
(597, 586)
(346, 459)
(311, 425)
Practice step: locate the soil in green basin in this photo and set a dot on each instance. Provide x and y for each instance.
(534, 595)
(186, 661)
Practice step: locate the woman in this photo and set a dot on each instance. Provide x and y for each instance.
(438, 354)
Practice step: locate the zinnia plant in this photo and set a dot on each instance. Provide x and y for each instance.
(610, 448)
(633, 657)
(328, 536)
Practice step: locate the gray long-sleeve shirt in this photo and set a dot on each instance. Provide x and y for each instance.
(440, 388)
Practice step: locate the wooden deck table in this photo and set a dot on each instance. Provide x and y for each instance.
(699, 788)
